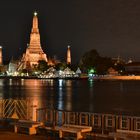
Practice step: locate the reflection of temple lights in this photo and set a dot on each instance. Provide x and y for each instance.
(60, 98)
(51, 82)
(68, 83)
(91, 82)
(60, 105)
(10, 82)
(60, 82)
(1, 82)
(69, 98)
(35, 83)
(22, 82)
(60, 94)
(69, 107)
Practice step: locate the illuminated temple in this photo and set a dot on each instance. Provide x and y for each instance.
(34, 52)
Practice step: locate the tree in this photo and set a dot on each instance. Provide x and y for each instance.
(103, 64)
(89, 59)
(60, 66)
(42, 65)
(92, 59)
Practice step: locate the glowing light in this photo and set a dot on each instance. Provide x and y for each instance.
(92, 71)
(35, 13)
(60, 82)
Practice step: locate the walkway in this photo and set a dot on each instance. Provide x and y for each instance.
(13, 136)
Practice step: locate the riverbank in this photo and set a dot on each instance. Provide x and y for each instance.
(107, 77)
(100, 77)
(35, 77)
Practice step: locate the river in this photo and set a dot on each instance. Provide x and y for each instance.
(115, 97)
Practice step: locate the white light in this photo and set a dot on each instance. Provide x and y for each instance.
(60, 82)
(35, 13)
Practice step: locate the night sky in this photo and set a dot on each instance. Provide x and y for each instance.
(112, 27)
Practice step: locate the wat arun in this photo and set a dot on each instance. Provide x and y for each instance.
(34, 52)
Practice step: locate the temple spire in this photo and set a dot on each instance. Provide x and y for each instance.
(68, 56)
(35, 24)
(34, 52)
(35, 35)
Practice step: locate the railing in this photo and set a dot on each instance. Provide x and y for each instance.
(12, 108)
(103, 123)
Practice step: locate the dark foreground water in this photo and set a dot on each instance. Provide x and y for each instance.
(76, 95)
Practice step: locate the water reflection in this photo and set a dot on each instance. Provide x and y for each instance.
(65, 95)
(69, 95)
(121, 87)
(75, 95)
(60, 83)
(91, 91)
(34, 92)
(90, 82)
(60, 94)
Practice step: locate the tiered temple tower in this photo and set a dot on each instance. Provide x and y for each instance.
(68, 56)
(34, 52)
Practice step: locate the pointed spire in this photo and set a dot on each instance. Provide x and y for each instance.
(68, 55)
(35, 36)
(35, 24)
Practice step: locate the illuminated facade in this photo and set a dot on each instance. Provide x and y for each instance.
(68, 56)
(12, 67)
(34, 52)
